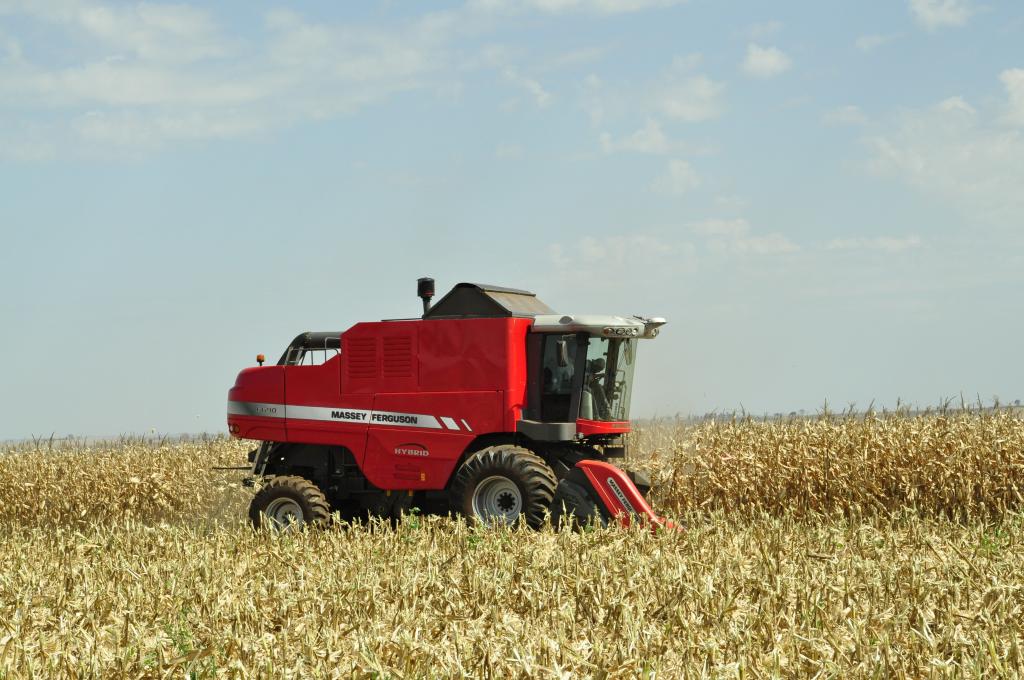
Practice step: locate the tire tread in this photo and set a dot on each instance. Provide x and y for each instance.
(574, 507)
(311, 496)
(537, 478)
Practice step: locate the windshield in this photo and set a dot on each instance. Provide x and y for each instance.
(608, 381)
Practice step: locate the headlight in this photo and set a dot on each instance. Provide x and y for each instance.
(618, 332)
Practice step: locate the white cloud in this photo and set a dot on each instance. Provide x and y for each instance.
(562, 6)
(770, 244)
(540, 96)
(887, 244)
(136, 131)
(765, 62)
(957, 156)
(676, 93)
(648, 139)
(871, 42)
(934, 14)
(508, 151)
(765, 29)
(955, 105)
(577, 57)
(619, 6)
(721, 228)
(1013, 81)
(685, 63)
(733, 236)
(597, 99)
(845, 115)
(121, 84)
(691, 99)
(617, 250)
(12, 50)
(173, 75)
(730, 202)
(30, 142)
(154, 31)
(167, 32)
(603, 253)
(679, 178)
(354, 54)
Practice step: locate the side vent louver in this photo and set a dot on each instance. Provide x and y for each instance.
(398, 357)
(362, 357)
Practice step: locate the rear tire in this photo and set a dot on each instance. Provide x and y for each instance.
(503, 485)
(287, 503)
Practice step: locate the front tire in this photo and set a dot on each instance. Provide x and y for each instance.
(503, 485)
(574, 508)
(287, 503)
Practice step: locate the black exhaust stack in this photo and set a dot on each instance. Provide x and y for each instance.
(425, 290)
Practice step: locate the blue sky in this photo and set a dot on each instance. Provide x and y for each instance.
(824, 198)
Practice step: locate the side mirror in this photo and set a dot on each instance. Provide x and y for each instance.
(563, 352)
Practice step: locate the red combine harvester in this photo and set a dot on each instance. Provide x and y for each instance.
(489, 405)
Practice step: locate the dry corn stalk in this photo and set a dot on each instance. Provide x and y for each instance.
(889, 545)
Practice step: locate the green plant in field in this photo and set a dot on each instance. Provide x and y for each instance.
(993, 540)
(411, 519)
(180, 633)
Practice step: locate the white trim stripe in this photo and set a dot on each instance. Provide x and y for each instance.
(255, 408)
(468, 428)
(449, 423)
(403, 419)
(342, 415)
(334, 414)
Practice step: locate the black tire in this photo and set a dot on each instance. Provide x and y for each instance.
(495, 474)
(573, 507)
(289, 502)
(390, 506)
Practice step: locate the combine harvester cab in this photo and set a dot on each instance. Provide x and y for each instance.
(489, 405)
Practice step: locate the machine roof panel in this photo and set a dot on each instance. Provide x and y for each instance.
(468, 300)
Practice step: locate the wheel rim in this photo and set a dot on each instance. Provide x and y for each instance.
(284, 513)
(497, 499)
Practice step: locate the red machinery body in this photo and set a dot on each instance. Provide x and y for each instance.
(409, 399)
(405, 397)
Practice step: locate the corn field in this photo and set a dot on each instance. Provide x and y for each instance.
(956, 464)
(882, 546)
